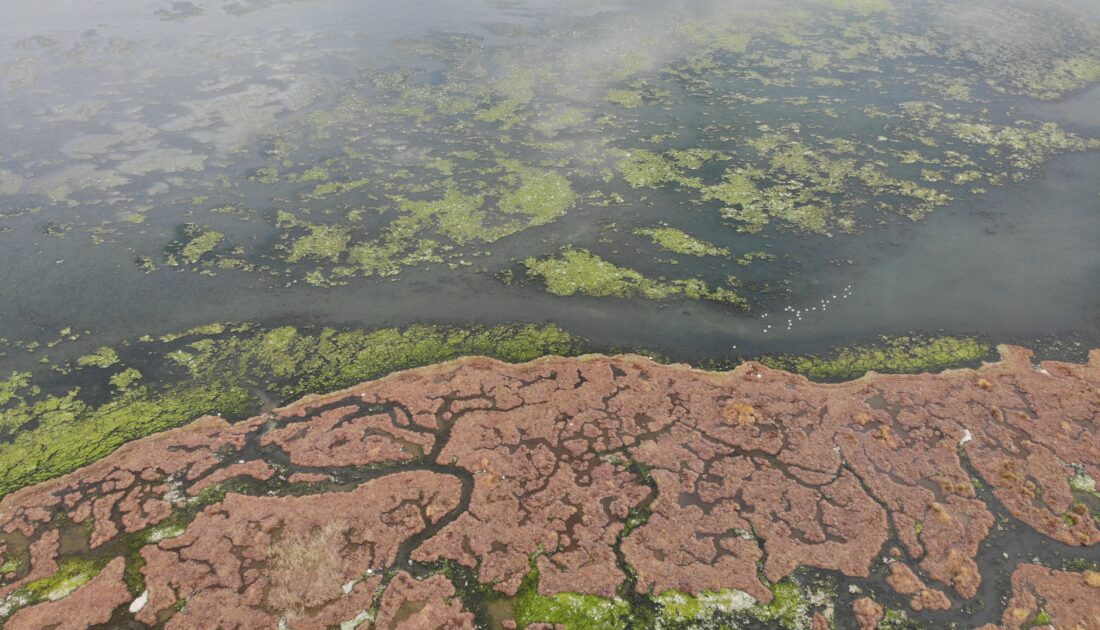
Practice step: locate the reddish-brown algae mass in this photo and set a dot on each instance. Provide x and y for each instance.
(587, 465)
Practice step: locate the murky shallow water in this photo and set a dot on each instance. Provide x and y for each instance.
(1015, 267)
(194, 91)
(210, 84)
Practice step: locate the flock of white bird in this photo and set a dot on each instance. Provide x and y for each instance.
(794, 315)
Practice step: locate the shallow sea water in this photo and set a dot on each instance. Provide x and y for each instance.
(209, 83)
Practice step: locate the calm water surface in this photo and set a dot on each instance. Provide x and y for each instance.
(111, 108)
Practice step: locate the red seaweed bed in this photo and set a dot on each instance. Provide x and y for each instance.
(608, 472)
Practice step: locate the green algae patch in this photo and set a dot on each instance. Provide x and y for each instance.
(578, 271)
(125, 379)
(643, 168)
(897, 355)
(894, 619)
(457, 216)
(12, 388)
(198, 242)
(680, 242)
(1069, 75)
(575, 611)
(727, 608)
(68, 433)
(1081, 482)
(1047, 84)
(788, 607)
(315, 174)
(206, 330)
(72, 573)
(103, 358)
(48, 435)
(541, 195)
(625, 98)
(678, 608)
(323, 242)
(11, 565)
(328, 189)
(1026, 145)
(295, 362)
(429, 230)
